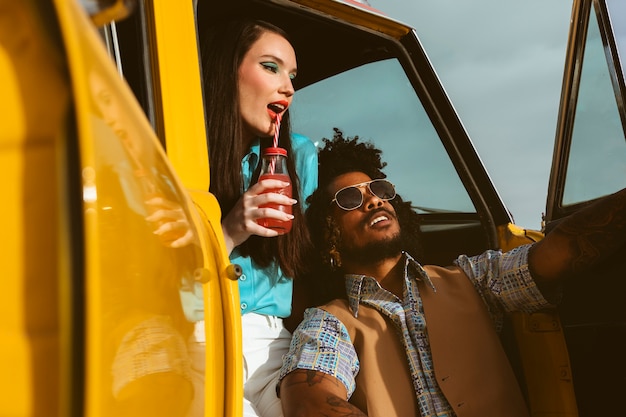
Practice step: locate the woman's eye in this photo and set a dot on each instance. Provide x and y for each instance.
(292, 76)
(270, 66)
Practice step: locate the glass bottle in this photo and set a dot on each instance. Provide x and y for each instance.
(274, 166)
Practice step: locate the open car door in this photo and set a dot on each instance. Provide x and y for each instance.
(94, 318)
(590, 162)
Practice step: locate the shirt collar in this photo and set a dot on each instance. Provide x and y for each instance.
(249, 163)
(359, 287)
(255, 147)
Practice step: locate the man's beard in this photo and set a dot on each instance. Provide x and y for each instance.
(373, 252)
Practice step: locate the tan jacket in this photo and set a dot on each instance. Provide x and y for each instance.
(470, 364)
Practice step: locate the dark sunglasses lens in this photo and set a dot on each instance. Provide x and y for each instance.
(383, 189)
(349, 198)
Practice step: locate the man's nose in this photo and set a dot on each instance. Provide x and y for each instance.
(371, 200)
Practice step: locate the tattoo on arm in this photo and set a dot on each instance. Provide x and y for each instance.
(342, 407)
(595, 233)
(310, 378)
(326, 391)
(313, 378)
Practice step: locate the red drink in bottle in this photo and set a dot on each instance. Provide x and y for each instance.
(274, 166)
(280, 226)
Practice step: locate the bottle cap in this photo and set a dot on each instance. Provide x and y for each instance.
(275, 151)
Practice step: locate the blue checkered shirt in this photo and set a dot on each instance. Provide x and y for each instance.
(322, 343)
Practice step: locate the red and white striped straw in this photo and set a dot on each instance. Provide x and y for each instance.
(276, 132)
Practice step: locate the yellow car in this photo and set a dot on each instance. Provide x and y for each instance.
(103, 123)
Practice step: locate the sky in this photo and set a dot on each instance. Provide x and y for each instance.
(501, 63)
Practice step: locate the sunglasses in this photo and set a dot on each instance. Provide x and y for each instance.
(351, 197)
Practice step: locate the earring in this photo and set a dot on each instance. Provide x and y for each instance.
(334, 257)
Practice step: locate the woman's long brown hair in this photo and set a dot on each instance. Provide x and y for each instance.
(223, 50)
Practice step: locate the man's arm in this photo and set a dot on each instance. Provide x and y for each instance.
(579, 242)
(310, 393)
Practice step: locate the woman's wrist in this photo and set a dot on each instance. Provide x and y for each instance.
(228, 240)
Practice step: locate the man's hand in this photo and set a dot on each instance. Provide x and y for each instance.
(310, 393)
(579, 242)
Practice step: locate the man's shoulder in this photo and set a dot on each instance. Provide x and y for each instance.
(438, 269)
(436, 272)
(338, 302)
(337, 307)
(363, 317)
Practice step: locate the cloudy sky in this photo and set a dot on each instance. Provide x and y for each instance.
(501, 63)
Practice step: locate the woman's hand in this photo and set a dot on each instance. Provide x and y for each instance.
(241, 222)
(171, 224)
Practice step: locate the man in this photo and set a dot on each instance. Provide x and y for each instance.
(399, 339)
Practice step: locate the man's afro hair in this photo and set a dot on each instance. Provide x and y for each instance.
(341, 155)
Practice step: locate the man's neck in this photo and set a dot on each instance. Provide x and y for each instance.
(388, 272)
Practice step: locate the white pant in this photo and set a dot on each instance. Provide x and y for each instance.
(265, 341)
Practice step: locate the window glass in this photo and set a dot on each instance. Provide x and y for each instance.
(617, 13)
(597, 162)
(144, 256)
(378, 103)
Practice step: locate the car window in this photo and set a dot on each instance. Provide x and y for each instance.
(377, 102)
(597, 161)
(617, 14)
(143, 255)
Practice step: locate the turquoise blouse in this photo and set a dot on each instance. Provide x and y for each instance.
(267, 290)
(262, 290)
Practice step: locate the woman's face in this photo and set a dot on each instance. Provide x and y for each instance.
(265, 83)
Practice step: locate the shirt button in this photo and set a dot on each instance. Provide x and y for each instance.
(244, 306)
(243, 277)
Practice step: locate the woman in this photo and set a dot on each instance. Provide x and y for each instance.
(248, 68)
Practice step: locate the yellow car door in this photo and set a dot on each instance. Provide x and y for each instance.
(104, 240)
